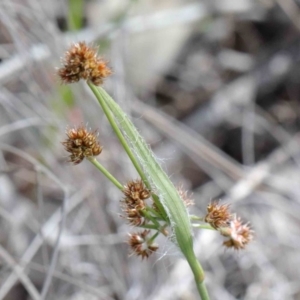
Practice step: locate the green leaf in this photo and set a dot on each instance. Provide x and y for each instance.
(164, 188)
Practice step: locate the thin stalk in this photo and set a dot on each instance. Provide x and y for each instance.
(176, 214)
(118, 133)
(54, 258)
(153, 237)
(104, 171)
(105, 99)
(203, 226)
(148, 226)
(199, 277)
(155, 213)
(160, 207)
(148, 216)
(75, 16)
(19, 271)
(196, 218)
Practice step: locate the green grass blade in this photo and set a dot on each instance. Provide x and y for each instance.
(166, 191)
(163, 187)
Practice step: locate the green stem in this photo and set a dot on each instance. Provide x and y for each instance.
(148, 226)
(118, 133)
(153, 238)
(196, 218)
(155, 213)
(199, 277)
(103, 99)
(75, 15)
(95, 162)
(176, 214)
(203, 226)
(160, 207)
(149, 217)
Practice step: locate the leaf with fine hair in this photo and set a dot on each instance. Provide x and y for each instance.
(165, 189)
(154, 177)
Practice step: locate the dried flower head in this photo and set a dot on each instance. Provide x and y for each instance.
(133, 204)
(140, 245)
(81, 62)
(184, 195)
(218, 215)
(133, 211)
(239, 234)
(136, 190)
(81, 143)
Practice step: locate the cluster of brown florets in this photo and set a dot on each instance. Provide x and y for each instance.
(81, 62)
(133, 206)
(218, 215)
(134, 202)
(137, 212)
(230, 226)
(81, 143)
(141, 244)
(239, 234)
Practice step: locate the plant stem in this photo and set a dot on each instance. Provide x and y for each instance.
(118, 133)
(199, 277)
(203, 226)
(105, 99)
(196, 218)
(95, 162)
(153, 237)
(148, 216)
(157, 215)
(148, 226)
(160, 207)
(176, 213)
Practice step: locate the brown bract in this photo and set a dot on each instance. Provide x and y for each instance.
(81, 62)
(140, 245)
(81, 143)
(218, 215)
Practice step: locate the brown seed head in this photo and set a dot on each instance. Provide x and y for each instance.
(100, 72)
(81, 143)
(239, 234)
(133, 204)
(136, 190)
(140, 245)
(218, 215)
(81, 62)
(133, 211)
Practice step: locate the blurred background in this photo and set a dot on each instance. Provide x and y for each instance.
(212, 85)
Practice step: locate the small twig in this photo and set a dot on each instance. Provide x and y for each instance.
(20, 273)
(41, 209)
(48, 280)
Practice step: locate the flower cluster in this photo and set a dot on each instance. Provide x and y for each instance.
(134, 202)
(142, 214)
(218, 215)
(239, 234)
(135, 208)
(81, 143)
(230, 226)
(81, 62)
(141, 244)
